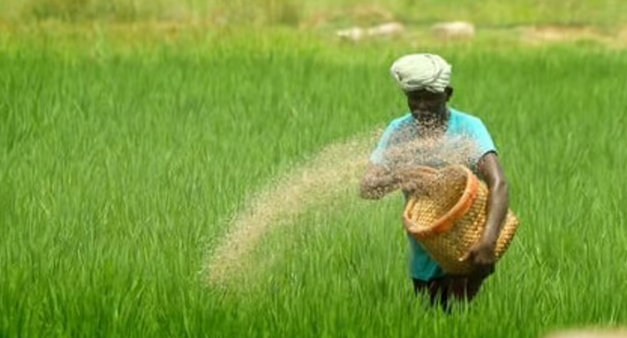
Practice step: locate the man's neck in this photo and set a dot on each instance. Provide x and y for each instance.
(435, 127)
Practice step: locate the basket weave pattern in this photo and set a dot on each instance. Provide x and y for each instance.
(450, 215)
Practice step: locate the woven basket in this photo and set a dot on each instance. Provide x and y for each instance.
(449, 216)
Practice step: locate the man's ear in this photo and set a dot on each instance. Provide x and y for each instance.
(449, 93)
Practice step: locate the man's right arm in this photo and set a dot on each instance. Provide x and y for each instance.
(377, 182)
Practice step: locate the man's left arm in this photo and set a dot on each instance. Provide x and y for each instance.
(498, 199)
(483, 253)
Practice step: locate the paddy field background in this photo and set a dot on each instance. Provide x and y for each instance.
(175, 169)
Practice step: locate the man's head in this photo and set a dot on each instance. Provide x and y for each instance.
(425, 80)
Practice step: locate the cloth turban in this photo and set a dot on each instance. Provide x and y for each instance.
(422, 71)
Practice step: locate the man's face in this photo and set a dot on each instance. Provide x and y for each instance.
(428, 106)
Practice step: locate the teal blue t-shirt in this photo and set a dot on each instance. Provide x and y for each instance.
(465, 141)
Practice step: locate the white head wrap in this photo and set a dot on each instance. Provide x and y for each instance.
(422, 71)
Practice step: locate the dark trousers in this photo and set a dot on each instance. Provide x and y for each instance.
(442, 291)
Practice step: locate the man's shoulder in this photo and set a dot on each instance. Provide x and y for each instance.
(464, 117)
(466, 122)
(400, 123)
(401, 120)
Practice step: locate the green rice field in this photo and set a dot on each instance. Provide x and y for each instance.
(127, 156)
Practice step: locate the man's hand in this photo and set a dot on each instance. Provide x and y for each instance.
(412, 180)
(377, 182)
(482, 256)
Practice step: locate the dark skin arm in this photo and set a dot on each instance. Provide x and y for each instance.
(378, 181)
(482, 253)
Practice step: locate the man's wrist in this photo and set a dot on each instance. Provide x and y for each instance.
(489, 240)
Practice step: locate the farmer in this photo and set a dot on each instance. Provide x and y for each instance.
(434, 134)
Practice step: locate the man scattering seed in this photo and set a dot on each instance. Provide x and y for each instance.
(434, 134)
